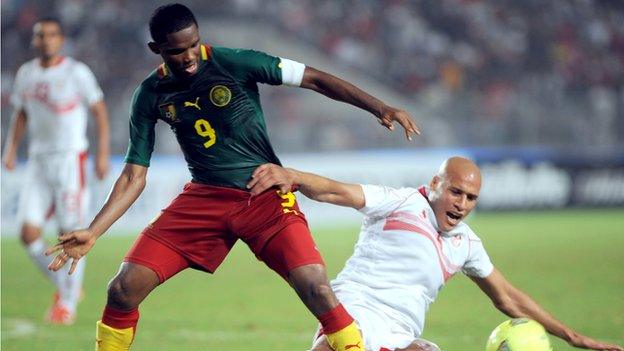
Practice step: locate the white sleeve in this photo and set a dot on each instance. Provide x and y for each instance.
(380, 201)
(17, 94)
(478, 263)
(89, 88)
(292, 72)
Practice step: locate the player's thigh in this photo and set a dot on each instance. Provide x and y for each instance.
(293, 247)
(35, 200)
(161, 259)
(195, 224)
(71, 196)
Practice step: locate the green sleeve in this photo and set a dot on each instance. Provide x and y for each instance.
(249, 66)
(143, 118)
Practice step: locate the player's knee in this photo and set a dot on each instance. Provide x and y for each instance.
(321, 291)
(29, 233)
(121, 294)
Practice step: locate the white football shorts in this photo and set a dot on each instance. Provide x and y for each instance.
(55, 185)
(380, 330)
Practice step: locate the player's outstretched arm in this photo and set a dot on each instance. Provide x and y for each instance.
(515, 303)
(341, 90)
(76, 244)
(311, 185)
(16, 133)
(100, 115)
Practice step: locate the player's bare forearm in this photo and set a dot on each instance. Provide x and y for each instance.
(527, 307)
(124, 193)
(311, 185)
(323, 189)
(341, 90)
(16, 133)
(515, 303)
(100, 115)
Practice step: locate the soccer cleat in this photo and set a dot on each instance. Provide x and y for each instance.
(60, 315)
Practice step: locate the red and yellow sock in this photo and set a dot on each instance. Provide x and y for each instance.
(341, 331)
(115, 331)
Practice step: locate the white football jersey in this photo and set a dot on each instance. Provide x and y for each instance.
(401, 260)
(56, 101)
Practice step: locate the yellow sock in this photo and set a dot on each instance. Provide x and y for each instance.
(346, 339)
(111, 339)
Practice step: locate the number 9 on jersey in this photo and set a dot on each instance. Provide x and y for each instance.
(204, 129)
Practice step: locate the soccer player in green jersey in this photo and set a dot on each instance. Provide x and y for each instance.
(209, 97)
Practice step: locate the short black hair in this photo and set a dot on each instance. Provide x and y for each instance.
(52, 20)
(169, 19)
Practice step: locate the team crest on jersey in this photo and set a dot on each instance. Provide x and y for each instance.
(220, 95)
(168, 111)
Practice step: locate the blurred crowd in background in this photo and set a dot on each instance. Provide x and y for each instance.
(495, 72)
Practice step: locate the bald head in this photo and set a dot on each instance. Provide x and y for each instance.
(454, 191)
(460, 168)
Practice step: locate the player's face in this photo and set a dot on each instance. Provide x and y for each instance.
(47, 39)
(453, 197)
(181, 51)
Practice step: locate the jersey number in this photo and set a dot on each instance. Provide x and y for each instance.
(204, 129)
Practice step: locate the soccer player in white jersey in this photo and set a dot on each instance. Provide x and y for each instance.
(411, 242)
(52, 96)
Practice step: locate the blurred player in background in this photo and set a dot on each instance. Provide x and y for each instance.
(52, 97)
(411, 242)
(209, 97)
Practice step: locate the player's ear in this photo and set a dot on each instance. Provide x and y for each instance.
(435, 181)
(154, 47)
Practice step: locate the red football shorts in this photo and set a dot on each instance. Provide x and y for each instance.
(201, 225)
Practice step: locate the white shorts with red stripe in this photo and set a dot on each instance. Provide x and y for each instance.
(55, 185)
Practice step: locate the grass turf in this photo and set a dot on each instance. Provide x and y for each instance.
(570, 262)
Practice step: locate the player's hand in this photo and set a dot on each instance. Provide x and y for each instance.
(389, 115)
(584, 342)
(9, 162)
(270, 175)
(73, 245)
(101, 166)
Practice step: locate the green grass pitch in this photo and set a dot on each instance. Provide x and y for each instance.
(570, 262)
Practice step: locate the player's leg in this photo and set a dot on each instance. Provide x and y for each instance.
(311, 284)
(35, 206)
(292, 254)
(71, 201)
(148, 264)
(190, 231)
(34, 202)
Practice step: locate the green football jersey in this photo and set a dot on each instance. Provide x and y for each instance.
(215, 115)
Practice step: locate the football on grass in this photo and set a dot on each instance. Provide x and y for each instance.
(518, 334)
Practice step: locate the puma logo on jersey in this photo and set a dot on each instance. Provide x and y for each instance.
(350, 346)
(193, 104)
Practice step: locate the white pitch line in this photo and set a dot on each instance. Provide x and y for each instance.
(18, 328)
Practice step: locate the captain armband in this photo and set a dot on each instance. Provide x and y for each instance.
(292, 72)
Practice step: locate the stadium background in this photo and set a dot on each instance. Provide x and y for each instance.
(532, 90)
